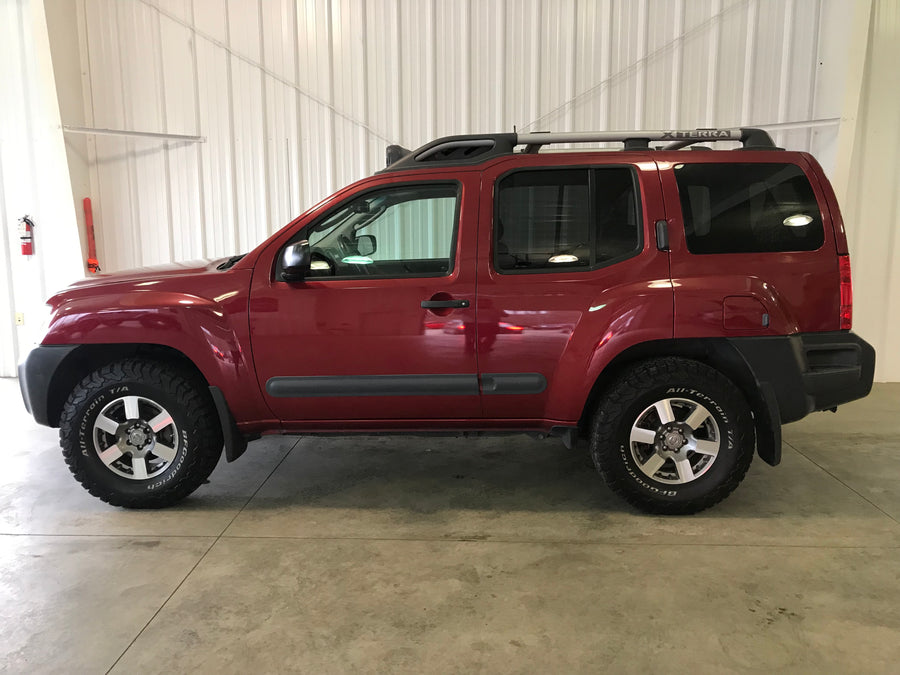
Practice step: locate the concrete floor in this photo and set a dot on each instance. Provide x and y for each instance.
(405, 555)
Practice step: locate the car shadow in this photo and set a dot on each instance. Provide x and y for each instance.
(425, 475)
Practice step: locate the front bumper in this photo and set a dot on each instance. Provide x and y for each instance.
(36, 376)
(810, 371)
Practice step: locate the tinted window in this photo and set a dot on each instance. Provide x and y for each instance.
(565, 218)
(396, 232)
(748, 208)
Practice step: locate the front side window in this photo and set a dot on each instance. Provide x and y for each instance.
(748, 208)
(559, 219)
(404, 231)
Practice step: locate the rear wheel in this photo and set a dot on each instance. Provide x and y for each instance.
(672, 436)
(140, 434)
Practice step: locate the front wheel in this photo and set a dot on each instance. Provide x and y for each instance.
(672, 436)
(140, 434)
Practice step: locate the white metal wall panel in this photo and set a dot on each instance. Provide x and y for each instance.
(452, 67)
(382, 30)
(872, 208)
(296, 98)
(494, 71)
(593, 63)
(34, 180)
(216, 160)
(416, 42)
(282, 138)
(349, 67)
(182, 159)
(144, 109)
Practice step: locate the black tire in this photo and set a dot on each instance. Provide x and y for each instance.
(192, 440)
(629, 402)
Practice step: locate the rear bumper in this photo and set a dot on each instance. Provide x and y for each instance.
(35, 375)
(809, 371)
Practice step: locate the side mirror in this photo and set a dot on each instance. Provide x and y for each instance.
(366, 244)
(295, 261)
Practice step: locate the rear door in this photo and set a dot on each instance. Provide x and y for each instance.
(568, 276)
(752, 249)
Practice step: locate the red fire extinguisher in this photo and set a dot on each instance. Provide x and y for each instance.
(26, 235)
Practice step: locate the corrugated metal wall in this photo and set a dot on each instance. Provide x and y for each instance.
(34, 180)
(296, 99)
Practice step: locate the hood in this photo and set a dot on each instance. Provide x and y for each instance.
(151, 273)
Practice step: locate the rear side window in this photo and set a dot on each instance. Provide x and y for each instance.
(748, 208)
(556, 219)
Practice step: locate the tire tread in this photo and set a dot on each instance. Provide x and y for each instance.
(199, 462)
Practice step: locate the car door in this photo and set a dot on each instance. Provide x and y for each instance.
(371, 335)
(569, 276)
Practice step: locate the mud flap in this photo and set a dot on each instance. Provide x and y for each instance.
(768, 426)
(235, 441)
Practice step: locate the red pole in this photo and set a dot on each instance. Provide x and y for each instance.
(92, 264)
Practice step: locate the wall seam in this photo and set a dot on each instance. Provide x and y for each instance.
(235, 215)
(749, 62)
(164, 116)
(267, 174)
(201, 178)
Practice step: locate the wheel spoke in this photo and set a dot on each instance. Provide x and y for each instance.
(685, 472)
(107, 424)
(160, 422)
(110, 455)
(707, 447)
(139, 468)
(132, 411)
(697, 417)
(652, 465)
(664, 410)
(639, 435)
(164, 452)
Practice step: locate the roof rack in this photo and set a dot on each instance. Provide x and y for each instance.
(477, 148)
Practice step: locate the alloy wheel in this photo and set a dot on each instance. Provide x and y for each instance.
(675, 441)
(135, 437)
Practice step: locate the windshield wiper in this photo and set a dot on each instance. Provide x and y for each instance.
(228, 264)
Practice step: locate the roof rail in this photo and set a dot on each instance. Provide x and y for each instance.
(749, 137)
(477, 148)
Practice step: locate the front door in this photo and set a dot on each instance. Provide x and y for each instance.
(383, 327)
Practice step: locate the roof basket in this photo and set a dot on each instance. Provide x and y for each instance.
(451, 151)
(477, 148)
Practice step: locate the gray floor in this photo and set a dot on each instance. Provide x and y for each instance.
(453, 556)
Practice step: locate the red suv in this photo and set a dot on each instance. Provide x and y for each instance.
(673, 305)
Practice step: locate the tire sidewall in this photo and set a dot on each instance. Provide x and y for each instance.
(90, 462)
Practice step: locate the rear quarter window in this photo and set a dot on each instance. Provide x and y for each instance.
(748, 208)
